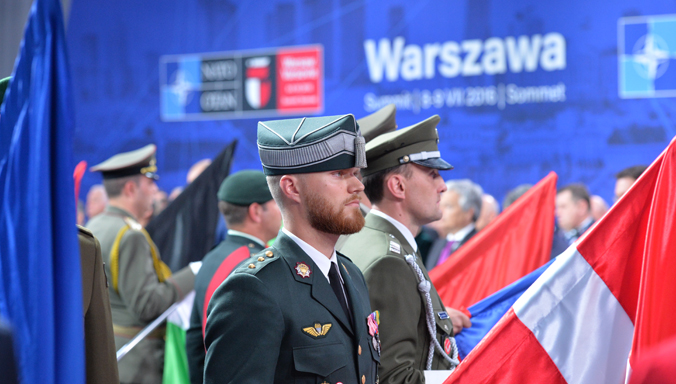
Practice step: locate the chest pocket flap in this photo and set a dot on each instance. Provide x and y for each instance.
(321, 360)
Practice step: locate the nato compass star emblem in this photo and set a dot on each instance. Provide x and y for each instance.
(651, 56)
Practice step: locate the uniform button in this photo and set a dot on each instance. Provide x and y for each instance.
(363, 379)
(252, 266)
(268, 253)
(261, 258)
(359, 350)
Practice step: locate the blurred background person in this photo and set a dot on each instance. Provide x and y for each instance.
(599, 207)
(573, 211)
(97, 199)
(490, 208)
(625, 178)
(80, 218)
(196, 170)
(461, 207)
(514, 194)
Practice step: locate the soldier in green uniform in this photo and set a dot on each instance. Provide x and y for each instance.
(253, 219)
(141, 286)
(299, 312)
(403, 183)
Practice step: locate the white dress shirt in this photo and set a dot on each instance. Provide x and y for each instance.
(401, 227)
(323, 262)
(458, 236)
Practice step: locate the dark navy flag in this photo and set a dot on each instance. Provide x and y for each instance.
(40, 277)
(487, 312)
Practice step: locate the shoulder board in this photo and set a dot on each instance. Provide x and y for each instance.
(84, 231)
(133, 224)
(258, 261)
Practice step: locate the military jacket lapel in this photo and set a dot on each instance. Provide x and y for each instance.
(354, 302)
(321, 290)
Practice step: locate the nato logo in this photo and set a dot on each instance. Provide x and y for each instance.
(646, 56)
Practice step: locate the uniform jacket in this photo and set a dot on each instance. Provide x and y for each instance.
(140, 297)
(438, 246)
(379, 250)
(194, 342)
(98, 324)
(268, 324)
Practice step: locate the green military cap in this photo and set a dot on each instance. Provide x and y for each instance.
(379, 122)
(245, 188)
(138, 162)
(4, 83)
(310, 144)
(414, 144)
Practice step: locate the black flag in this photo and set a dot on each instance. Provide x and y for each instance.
(186, 229)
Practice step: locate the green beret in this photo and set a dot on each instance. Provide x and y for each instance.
(414, 144)
(312, 144)
(137, 162)
(4, 83)
(245, 188)
(379, 122)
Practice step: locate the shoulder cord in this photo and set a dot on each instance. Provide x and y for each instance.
(424, 287)
(162, 270)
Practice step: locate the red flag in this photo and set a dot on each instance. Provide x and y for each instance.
(515, 244)
(657, 293)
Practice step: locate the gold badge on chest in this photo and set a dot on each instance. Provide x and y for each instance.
(318, 329)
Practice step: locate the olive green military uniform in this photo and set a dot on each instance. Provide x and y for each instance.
(380, 251)
(141, 286)
(98, 323)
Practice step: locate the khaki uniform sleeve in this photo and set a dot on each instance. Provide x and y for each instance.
(138, 286)
(393, 291)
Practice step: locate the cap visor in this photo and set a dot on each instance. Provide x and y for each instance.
(435, 163)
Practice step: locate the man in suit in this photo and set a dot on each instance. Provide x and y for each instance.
(98, 323)
(253, 219)
(299, 311)
(573, 211)
(141, 287)
(461, 206)
(403, 183)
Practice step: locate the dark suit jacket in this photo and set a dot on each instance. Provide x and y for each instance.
(8, 371)
(194, 343)
(260, 322)
(98, 323)
(438, 246)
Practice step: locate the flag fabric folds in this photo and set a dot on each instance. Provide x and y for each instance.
(186, 230)
(486, 313)
(175, 355)
(40, 278)
(515, 244)
(575, 324)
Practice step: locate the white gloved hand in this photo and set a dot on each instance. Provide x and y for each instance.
(195, 266)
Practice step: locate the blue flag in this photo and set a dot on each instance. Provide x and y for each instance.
(40, 275)
(487, 312)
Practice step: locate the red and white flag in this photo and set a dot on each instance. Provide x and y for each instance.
(575, 324)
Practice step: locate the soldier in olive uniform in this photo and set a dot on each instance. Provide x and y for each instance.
(403, 183)
(141, 286)
(98, 324)
(299, 312)
(253, 219)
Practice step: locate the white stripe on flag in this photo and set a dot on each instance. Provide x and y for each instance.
(578, 321)
(181, 316)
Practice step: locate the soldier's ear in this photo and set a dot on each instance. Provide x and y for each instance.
(395, 186)
(289, 187)
(255, 212)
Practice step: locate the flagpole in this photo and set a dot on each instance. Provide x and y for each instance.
(145, 332)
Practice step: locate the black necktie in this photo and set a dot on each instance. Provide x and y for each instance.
(337, 286)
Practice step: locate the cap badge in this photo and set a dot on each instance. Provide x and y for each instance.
(318, 329)
(303, 270)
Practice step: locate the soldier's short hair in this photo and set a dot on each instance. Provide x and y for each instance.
(374, 184)
(115, 186)
(233, 214)
(469, 195)
(632, 172)
(276, 190)
(579, 192)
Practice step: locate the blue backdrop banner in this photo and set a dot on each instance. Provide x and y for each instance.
(583, 88)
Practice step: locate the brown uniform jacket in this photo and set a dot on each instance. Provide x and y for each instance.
(379, 250)
(98, 323)
(140, 297)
